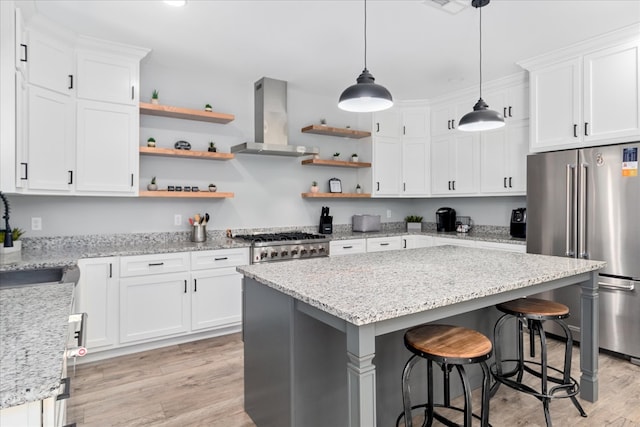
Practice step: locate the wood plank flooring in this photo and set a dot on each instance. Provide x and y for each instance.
(200, 384)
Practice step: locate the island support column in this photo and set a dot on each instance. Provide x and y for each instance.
(589, 339)
(361, 375)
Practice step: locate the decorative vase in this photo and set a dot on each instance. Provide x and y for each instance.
(213, 188)
(354, 158)
(314, 188)
(209, 109)
(359, 190)
(151, 144)
(152, 187)
(336, 157)
(154, 101)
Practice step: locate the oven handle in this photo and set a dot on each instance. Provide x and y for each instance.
(80, 335)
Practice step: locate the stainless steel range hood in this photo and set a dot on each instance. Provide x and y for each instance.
(271, 133)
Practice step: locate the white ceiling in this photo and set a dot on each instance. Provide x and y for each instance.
(415, 50)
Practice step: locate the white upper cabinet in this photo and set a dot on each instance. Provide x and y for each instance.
(48, 61)
(587, 94)
(503, 160)
(386, 123)
(446, 115)
(107, 78)
(415, 122)
(512, 102)
(454, 165)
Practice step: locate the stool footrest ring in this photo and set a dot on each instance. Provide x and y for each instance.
(569, 389)
(439, 417)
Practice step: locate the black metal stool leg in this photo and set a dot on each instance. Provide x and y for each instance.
(429, 417)
(406, 389)
(466, 389)
(486, 377)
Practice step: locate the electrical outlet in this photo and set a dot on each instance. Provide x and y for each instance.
(388, 213)
(36, 224)
(177, 219)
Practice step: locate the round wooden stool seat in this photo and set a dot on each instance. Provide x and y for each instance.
(534, 308)
(448, 344)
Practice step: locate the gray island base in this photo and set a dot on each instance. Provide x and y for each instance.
(323, 337)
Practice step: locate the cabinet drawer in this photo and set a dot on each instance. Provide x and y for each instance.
(440, 241)
(379, 244)
(344, 247)
(203, 260)
(153, 264)
(509, 247)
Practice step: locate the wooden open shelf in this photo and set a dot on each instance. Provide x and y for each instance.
(170, 152)
(331, 131)
(338, 163)
(336, 195)
(185, 113)
(186, 194)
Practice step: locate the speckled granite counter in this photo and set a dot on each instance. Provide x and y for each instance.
(308, 322)
(367, 288)
(33, 328)
(485, 236)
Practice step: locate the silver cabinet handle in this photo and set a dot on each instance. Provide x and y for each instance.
(569, 222)
(582, 222)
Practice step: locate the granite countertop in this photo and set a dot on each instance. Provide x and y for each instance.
(68, 255)
(472, 235)
(34, 323)
(372, 287)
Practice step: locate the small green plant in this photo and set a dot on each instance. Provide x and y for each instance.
(153, 180)
(336, 154)
(154, 95)
(413, 218)
(314, 183)
(151, 140)
(358, 187)
(15, 233)
(212, 144)
(208, 106)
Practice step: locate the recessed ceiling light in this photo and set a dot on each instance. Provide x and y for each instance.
(176, 3)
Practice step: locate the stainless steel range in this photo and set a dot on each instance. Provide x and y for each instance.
(269, 247)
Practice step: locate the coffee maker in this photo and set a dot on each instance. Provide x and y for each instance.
(446, 219)
(518, 226)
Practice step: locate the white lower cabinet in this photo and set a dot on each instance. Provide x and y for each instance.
(414, 241)
(440, 241)
(508, 247)
(154, 306)
(381, 244)
(97, 295)
(345, 247)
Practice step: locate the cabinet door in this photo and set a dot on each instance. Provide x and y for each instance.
(345, 247)
(154, 306)
(49, 62)
(464, 165)
(97, 295)
(507, 247)
(107, 78)
(556, 103)
(441, 119)
(386, 123)
(517, 107)
(415, 241)
(440, 168)
(493, 161)
(518, 149)
(414, 122)
(47, 149)
(386, 166)
(440, 241)
(216, 298)
(612, 93)
(415, 166)
(107, 147)
(381, 244)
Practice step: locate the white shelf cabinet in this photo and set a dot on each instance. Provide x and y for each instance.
(588, 94)
(47, 60)
(107, 78)
(503, 159)
(454, 165)
(97, 295)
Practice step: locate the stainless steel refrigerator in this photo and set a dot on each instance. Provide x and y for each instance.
(585, 203)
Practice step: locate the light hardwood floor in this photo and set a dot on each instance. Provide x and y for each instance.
(200, 384)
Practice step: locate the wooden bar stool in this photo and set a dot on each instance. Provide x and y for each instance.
(533, 312)
(448, 346)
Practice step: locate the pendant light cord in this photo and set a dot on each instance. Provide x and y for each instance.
(480, 51)
(365, 34)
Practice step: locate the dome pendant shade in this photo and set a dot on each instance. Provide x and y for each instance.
(365, 96)
(481, 118)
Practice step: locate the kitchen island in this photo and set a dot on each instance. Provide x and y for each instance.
(306, 321)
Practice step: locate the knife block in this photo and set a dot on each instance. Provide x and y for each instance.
(326, 225)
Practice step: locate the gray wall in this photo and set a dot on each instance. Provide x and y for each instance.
(267, 188)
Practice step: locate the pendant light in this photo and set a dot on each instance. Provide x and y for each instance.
(481, 118)
(365, 96)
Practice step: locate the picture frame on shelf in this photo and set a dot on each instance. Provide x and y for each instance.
(335, 185)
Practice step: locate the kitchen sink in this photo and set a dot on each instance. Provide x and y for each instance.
(39, 276)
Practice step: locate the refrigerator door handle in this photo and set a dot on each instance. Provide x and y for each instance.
(617, 284)
(569, 216)
(582, 220)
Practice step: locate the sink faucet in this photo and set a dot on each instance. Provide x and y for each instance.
(8, 235)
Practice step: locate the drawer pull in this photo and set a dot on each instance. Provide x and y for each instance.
(347, 247)
(221, 258)
(185, 286)
(384, 244)
(155, 264)
(67, 389)
(195, 285)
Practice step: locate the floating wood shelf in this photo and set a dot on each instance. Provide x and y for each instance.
(336, 195)
(185, 113)
(186, 194)
(170, 152)
(331, 131)
(338, 163)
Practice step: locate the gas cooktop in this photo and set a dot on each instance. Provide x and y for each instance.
(268, 247)
(280, 237)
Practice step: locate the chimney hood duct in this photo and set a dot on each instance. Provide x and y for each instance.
(271, 123)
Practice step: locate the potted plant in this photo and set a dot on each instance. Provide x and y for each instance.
(314, 187)
(152, 186)
(354, 157)
(154, 97)
(358, 189)
(208, 108)
(151, 142)
(213, 188)
(212, 147)
(17, 244)
(336, 156)
(323, 122)
(414, 222)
